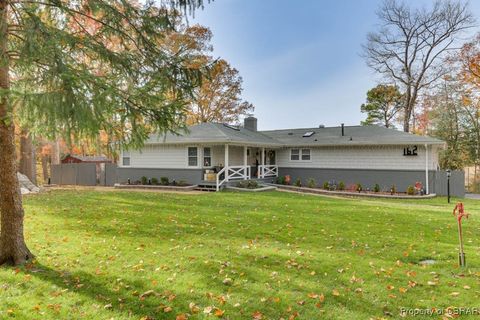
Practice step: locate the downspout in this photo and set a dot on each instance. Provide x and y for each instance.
(427, 191)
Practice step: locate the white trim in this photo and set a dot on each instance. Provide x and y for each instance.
(426, 170)
(188, 157)
(203, 157)
(300, 154)
(123, 156)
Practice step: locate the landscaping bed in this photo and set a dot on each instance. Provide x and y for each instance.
(155, 187)
(251, 186)
(369, 194)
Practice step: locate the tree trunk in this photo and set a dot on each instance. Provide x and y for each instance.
(13, 249)
(27, 157)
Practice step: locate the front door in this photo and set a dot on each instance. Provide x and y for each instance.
(271, 157)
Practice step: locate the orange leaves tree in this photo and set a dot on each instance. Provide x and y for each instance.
(218, 97)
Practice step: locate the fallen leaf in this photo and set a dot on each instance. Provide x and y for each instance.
(335, 292)
(257, 315)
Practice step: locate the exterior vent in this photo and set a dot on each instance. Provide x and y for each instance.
(321, 126)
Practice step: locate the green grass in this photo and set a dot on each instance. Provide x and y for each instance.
(98, 252)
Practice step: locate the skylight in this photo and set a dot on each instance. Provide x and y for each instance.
(231, 127)
(308, 134)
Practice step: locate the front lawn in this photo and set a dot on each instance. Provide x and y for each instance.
(134, 255)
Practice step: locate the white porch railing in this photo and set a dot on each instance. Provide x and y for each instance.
(232, 173)
(266, 171)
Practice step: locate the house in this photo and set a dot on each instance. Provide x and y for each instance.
(352, 154)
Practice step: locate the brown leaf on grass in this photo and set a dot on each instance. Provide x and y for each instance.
(181, 316)
(257, 315)
(390, 287)
(167, 309)
(301, 302)
(321, 298)
(193, 307)
(335, 292)
(147, 294)
(313, 295)
(402, 290)
(218, 313)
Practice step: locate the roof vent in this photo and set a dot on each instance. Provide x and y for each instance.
(308, 134)
(321, 126)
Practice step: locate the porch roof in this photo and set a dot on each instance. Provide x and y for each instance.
(215, 133)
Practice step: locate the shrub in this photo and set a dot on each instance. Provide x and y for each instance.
(281, 180)
(358, 187)
(311, 183)
(376, 188)
(410, 190)
(393, 189)
(341, 186)
(144, 180)
(298, 182)
(182, 183)
(326, 185)
(288, 179)
(164, 181)
(154, 181)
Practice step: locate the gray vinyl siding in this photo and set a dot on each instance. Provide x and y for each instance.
(381, 157)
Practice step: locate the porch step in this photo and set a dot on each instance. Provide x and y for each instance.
(206, 187)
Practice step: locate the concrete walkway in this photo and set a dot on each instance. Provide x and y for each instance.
(475, 196)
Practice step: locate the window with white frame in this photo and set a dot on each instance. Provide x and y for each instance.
(125, 158)
(192, 156)
(306, 154)
(294, 154)
(207, 157)
(300, 154)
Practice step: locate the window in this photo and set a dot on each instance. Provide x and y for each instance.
(295, 154)
(192, 156)
(300, 154)
(306, 154)
(207, 157)
(125, 159)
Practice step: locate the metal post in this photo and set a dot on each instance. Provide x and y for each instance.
(448, 184)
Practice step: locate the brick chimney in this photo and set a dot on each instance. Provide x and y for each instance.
(250, 123)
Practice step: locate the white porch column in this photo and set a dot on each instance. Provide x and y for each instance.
(426, 170)
(263, 156)
(262, 170)
(226, 162)
(245, 162)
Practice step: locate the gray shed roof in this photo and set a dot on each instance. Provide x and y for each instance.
(354, 135)
(216, 133)
(331, 136)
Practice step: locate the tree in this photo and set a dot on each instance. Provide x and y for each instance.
(411, 45)
(218, 99)
(383, 104)
(62, 76)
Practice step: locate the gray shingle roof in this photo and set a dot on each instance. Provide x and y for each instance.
(331, 136)
(354, 135)
(215, 133)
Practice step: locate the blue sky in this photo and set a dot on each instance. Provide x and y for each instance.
(300, 60)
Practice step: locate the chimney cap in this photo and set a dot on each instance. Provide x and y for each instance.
(321, 126)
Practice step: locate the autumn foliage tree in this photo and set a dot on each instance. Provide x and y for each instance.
(384, 102)
(63, 76)
(218, 98)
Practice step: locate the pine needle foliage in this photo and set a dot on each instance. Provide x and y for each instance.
(80, 67)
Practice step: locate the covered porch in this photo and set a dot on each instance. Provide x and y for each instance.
(230, 162)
